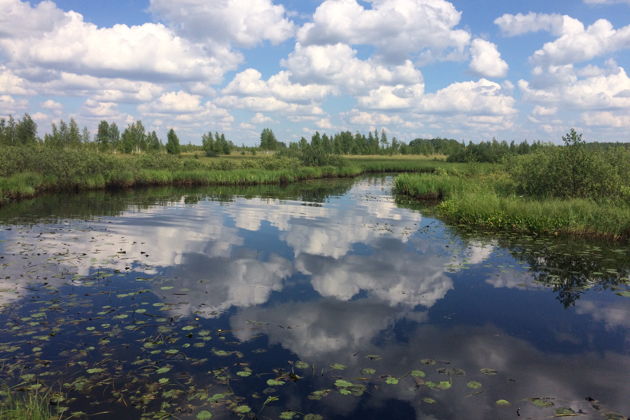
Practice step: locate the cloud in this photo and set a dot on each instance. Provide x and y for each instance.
(337, 65)
(519, 24)
(52, 105)
(372, 119)
(144, 52)
(607, 119)
(102, 89)
(173, 102)
(10, 105)
(260, 118)
(392, 97)
(423, 29)
(268, 104)
(249, 83)
(486, 59)
(575, 42)
(541, 111)
(12, 84)
(607, 90)
(243, 22)
(482, 97)
(584, 44)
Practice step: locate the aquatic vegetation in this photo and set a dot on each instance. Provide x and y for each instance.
(487, 202)
(32, 404)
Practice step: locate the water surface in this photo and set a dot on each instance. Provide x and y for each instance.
(324, 298)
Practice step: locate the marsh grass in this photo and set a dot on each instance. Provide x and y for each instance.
(25, 173)
(26, 406)
(488, 200)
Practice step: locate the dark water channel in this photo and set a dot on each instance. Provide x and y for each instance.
(317, 299)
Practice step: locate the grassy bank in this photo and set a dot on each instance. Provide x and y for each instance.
(28, 405)
(490, 201)
(27, 172)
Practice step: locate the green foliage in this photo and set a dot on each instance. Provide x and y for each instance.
(133, 139)
(573, 171)
(268, 140)
(429, 186)
(214, 145)
(172, 143)
(29, 405)
(492, 151)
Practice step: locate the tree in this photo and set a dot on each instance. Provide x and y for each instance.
(26, 131)
(103, 136)
(114, 135)
(153, 142)
(85, 135)
(172, 143)
(268, 140)
(74, 134)
(207, 142)
(133, 138)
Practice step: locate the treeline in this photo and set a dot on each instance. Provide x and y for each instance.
(374, 143)
(492, 151)
(108, 138)
(346, 143)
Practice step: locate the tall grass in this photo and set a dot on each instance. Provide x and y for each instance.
(488, 201)
(26, 172)
(429, 186)
(579, 217)
(29, 406)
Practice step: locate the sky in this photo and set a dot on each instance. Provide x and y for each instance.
(469, 69)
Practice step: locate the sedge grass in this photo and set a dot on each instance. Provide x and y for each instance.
(486, 202)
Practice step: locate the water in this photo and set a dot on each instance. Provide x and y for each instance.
(324, 298)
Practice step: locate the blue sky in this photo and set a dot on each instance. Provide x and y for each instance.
(471, 70)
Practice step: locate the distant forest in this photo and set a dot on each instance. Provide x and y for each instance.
(135, 139)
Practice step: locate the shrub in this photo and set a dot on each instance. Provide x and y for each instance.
(572, 171)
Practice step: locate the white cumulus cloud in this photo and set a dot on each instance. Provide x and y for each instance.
(424, 29)
(244, 22)
(147, 52)
(486, 59)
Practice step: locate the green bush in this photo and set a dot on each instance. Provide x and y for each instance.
(572, 171)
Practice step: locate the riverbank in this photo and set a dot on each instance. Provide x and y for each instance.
(26, 173)
(489, 201)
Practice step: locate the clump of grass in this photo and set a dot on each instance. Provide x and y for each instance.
(488, 201)
(580, 217)
(429, 186)
(26, 406)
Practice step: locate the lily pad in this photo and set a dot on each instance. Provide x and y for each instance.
(429, 400)
(338, 366)
(287, 415)
(242, 409)
(204, 415)
(487, 371)
(244, 373)
(313, 417)
(274, 382)
(503, 403)
(368, 371)
(625, 293)
(541, 402)
(565, 412)
(418, 374)
(391, 380)
(301, 365)
(474, 385)
(342, 383)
